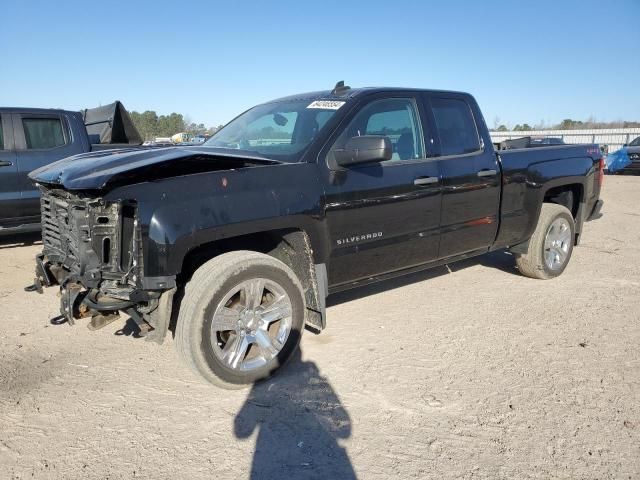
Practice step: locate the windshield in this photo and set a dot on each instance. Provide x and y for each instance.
(636, 142)
(279, 131)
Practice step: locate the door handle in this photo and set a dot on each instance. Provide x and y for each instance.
(5, 163)
(425, 181)
(487, 173)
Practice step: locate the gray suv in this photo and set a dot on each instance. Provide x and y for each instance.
(633, 149)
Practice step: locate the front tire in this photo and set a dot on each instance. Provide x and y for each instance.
(240, 319)
(551, 244)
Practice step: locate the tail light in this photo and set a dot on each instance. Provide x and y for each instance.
(601, 171)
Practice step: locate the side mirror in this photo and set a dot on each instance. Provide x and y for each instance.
(364, 149)
(625, 145)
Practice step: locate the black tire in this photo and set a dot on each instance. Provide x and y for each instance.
(533, 264)
(203, 294)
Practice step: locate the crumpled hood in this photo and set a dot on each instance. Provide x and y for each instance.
(95, 170)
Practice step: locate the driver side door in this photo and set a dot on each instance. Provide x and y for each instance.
(382, 216)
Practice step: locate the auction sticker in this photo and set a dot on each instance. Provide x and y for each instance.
(326, 104)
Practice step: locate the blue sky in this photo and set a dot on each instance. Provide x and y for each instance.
(523, 61)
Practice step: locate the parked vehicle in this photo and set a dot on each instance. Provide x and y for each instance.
(200, 139)
(33, 137)
(633, 150)
(244, 237)
(182, 138)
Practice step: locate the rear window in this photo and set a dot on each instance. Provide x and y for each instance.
(42, 133)
(456, 126)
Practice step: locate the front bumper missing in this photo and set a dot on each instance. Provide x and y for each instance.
(44, 277)
(71, 306)
(150, 310)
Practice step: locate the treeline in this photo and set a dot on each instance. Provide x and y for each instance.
(566, 124)
(151, 125)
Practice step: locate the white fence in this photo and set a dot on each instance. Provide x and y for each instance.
(610, 138)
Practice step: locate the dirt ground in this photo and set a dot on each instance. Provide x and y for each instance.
(471, 371)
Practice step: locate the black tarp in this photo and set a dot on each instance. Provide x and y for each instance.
(513, 143)
(110, 124)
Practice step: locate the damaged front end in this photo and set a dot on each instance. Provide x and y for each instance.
(92, 250)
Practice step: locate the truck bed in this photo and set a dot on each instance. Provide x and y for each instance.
(526, 170)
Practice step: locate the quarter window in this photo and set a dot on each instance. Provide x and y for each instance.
(42, 133)
(456, 126)
(395, 118)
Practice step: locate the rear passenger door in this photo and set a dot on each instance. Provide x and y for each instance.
(40, 139)
(470, 175)
(9, 190)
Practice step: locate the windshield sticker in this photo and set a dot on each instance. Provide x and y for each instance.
(326, 104)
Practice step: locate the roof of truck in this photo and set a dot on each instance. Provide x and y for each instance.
(33, 110)
(348, 93)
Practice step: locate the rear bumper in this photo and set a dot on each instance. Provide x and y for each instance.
(596, 212)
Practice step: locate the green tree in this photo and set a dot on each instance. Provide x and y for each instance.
(196, 128)
(150, 125)
(169, 125)
(568, 124)
(146, 123)
(213, 130)
(502, 128)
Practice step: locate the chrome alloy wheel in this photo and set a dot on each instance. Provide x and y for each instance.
(557, 243)
(251, 324)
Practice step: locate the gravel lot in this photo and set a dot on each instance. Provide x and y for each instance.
(471, 371)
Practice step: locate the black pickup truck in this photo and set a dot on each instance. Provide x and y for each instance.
(234, 245)
(34, 137)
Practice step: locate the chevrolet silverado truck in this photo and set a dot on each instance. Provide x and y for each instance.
(234, 245)
(31, 138)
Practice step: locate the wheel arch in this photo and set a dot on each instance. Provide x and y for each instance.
(291, 246)
(568, 195)
(569, 192)
(572, 195)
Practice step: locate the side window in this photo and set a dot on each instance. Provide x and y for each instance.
(43, 133)
(395, 118)
(1, 135)
(456, 126)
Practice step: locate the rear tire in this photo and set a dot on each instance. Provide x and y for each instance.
(240, 319)
(551, 244)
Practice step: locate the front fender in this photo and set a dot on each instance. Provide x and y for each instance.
(179, 214)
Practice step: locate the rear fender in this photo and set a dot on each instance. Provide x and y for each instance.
(542, 177)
